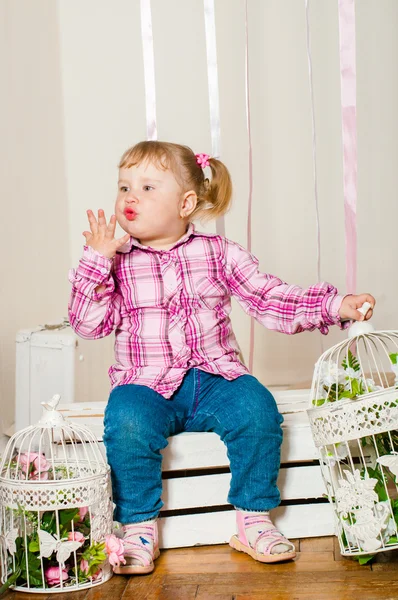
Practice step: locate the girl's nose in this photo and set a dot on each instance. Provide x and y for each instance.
(131, 198)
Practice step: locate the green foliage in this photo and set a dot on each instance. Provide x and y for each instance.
(364, 559)
(380, 487)
(67, 515)
(394, 358)
(94, 555)
(351, 362)
(28, 566)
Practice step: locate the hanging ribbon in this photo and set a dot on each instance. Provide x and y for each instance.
(149, 69)
(315, 170)
(250, 157)
(314, 163)
(212, 77)
(349, 131)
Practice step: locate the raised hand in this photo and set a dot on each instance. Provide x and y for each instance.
(102, 235)
(350, 305)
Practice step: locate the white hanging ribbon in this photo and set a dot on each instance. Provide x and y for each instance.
(250, 198)
(315, 171)
(314, 163)
(212, 77)
(149, 69)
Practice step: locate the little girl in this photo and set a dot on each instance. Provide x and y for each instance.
(165, 289)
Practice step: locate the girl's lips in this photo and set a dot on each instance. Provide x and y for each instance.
(130, 214)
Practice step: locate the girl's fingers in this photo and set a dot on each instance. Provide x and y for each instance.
(123, 240)
(101, 220)
(111, 227)
(369, 314)
(87, 235)
(93, 221)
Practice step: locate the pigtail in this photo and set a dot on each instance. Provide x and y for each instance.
(214, 198)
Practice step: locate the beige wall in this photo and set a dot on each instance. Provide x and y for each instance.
(74, 74)
(34, 204)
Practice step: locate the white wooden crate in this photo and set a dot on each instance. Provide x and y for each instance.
(45, 365)
(196, 479)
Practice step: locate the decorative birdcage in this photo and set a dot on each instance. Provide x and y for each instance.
(55, 507)
(354, 423)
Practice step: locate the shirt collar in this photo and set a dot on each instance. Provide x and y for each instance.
(128, 246)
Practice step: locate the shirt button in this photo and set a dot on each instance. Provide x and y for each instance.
(104, 271)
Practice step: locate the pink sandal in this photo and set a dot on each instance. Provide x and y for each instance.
(240, 542)
(136, 538)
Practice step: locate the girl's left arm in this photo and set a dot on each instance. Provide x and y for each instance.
(278, 305)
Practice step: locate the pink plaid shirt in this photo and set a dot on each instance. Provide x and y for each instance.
(170, 308)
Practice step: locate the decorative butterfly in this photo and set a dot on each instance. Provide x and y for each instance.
(390, 461)
(7, 541)
(50, 544)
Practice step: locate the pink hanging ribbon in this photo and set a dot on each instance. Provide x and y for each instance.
(349, 131)
(212, 77)
(149, 69)
(250, 199)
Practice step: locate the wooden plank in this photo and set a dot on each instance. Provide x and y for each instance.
(212, 490)
(320, 544)
(303, 520)
(191, 450)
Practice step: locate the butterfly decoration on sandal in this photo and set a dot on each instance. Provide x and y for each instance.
(50, 544)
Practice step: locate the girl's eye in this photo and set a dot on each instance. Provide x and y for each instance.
(147, 188)
(123, 188)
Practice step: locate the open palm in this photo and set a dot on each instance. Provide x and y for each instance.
(101, 236)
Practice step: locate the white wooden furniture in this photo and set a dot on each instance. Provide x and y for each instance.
(195, 469)
(45, 366)
(196, 479)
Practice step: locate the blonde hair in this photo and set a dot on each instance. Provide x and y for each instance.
(214, 196)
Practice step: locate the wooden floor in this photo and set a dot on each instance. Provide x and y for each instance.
(219, 573)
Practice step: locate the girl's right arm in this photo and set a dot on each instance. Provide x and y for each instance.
(94, 305)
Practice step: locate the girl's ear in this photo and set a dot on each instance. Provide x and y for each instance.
(188, 205)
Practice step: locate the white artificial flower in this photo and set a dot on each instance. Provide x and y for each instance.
(352, 374)
(330, 374)
(371, 386)
(394, 369)
(336, 453)
(391, 528)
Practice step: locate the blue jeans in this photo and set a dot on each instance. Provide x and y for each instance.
(138, 421)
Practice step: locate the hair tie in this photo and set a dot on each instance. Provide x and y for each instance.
(202, 160)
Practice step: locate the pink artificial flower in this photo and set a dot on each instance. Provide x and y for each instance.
(83, 510)
(35, 465)
(35, 475)
(84, 566)
(75, 536)
(53, 574)
(115, 550)
(97, 574)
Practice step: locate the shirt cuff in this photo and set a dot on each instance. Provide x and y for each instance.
(93, 270)
(333, 310)
(93, 266)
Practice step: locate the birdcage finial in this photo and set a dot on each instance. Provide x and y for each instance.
(51, 417)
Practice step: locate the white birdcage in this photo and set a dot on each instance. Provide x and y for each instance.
(354, 423)
(55, 507)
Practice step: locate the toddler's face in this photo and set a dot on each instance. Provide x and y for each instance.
(148, 202)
